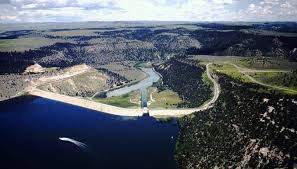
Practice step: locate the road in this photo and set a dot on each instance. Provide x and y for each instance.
(183, 112)
(245, 71)
(74, 71)
(113, 109)
(135, 112)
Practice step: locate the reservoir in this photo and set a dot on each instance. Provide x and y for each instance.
(41, 133)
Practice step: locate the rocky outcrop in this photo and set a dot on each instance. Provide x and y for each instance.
(36, 68)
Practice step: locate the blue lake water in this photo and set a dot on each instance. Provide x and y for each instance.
(30, 129)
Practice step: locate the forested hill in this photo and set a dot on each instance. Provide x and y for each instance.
(245, 129)
(185, 78)
(245, 43)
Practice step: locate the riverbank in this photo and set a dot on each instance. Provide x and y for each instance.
(145, 83)
(123, 111)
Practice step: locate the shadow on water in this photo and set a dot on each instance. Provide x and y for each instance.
(30, 128)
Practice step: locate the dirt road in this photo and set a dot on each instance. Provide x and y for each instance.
(70, 72)
(183, 112)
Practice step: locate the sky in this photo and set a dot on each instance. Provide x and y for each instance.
(146, 10)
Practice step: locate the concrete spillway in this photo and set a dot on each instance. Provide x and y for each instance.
(144, 105)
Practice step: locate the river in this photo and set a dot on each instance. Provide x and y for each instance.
(142, 86)
(41, 133)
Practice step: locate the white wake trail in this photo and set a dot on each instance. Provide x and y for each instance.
(77, 143)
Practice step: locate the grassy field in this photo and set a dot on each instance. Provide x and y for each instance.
(249, 62)
(143, 65)
(286, 80)
(69, 33)
(175, 26)
(230, 71)
(265, 63)
(164, 99)
(26, 43)
(126, 100)
(211, 58)
(281, 79)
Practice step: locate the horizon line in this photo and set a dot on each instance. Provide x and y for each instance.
(34, 22)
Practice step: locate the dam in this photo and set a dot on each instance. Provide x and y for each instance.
(136, 112)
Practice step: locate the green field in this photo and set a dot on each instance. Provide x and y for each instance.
(282, 79)
(286, 80)
(121, 101)
(164, 99)
(143, 65)
(69, 33)
(266, 63)
(26, 43)
(230, 71)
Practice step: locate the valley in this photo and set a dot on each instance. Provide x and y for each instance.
(224, 93)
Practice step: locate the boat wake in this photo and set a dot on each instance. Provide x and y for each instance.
(77, 143)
